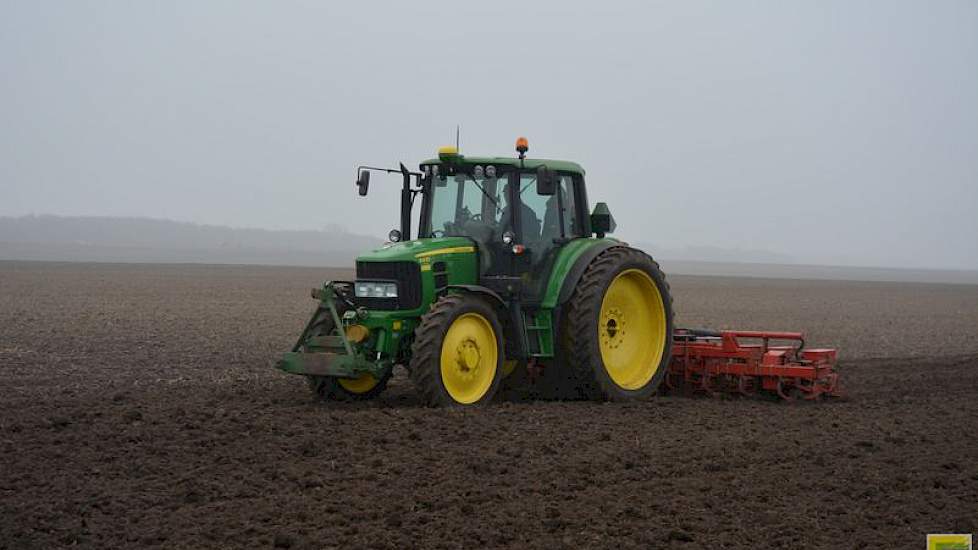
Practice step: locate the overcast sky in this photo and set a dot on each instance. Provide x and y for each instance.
(836, 132)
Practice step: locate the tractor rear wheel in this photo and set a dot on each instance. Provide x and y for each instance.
(618, 329)
(367, 386)
(457, 356)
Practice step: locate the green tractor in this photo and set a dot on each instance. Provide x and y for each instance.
(508, 280)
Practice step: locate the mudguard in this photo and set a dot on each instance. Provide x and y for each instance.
(580, 265)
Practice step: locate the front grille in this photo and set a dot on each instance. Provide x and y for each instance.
(408, 277)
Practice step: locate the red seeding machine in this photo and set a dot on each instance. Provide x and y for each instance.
(745, 362)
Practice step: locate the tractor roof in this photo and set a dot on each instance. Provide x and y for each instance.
(531, 164)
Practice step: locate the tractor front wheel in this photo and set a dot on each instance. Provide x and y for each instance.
(457, 357)
(367, 386)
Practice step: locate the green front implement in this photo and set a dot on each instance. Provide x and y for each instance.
(324, 349)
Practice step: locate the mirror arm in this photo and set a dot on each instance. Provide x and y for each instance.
(407, 194)
(418, 175)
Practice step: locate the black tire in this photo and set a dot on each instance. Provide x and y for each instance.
(425, 366)
(581, 351)
(328, 387)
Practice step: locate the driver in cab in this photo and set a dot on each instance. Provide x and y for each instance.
(528, 218)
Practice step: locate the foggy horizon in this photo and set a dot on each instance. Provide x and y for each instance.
(834, 133)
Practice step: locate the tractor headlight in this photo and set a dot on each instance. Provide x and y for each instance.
(371, 289)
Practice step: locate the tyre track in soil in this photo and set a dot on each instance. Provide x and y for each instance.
(166, 428)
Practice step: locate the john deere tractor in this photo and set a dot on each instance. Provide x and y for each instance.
(509, 278)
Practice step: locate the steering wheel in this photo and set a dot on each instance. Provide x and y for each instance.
(435, 233)
(476, 217)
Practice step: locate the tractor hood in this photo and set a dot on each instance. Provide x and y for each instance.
(419, 249)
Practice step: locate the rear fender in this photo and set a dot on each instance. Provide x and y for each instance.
(572, 264)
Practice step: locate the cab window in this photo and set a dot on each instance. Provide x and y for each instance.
(462, 205)
(561, 216)
(545, 218)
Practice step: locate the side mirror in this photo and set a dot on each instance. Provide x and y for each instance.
(546, 181)
(363, 182)
(601, 220)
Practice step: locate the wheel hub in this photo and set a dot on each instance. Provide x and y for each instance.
(613, 323)
(467, 357)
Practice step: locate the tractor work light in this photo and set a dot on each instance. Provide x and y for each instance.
(372, 289)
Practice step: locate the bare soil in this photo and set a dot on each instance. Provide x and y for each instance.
(138, 408)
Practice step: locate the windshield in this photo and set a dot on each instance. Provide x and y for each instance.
(468, 205)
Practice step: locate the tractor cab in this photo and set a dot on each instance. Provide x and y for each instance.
(517, 212)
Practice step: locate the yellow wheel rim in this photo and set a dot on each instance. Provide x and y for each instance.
(362, 384)
(632, 329)
(469, 356)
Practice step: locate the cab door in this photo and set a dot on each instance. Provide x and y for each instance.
(543, 223)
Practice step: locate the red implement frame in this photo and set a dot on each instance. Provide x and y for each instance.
(711, 362)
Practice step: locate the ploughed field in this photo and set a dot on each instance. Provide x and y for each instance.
(138, 407)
